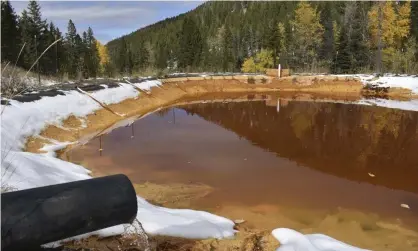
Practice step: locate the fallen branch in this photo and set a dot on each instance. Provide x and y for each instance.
(100, 103)
(138, 89)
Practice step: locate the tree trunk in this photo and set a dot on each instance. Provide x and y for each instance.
(379, 39)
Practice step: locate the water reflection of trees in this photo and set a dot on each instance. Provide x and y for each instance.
(344, 140)
(162, 112)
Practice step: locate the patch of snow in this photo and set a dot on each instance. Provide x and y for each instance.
(407, 82)
(388, 80)
(410, 105)
(147, 85)
(24, 170)
(83, 123)
(33, 81)
(49, 82)
(32, 117)
(50, 149)
(291, 240)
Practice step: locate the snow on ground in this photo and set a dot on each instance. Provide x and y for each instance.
(33, 82)
(408, 82)
(23, 170)
(410, 105)
(292, 240)
(388, 80)
(146, 85)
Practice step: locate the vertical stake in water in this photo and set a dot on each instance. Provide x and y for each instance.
(100, 145)
(37, 63)
(279, 69)
(174, 116)
(133, 132)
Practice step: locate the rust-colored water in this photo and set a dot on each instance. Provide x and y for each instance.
(292, 154)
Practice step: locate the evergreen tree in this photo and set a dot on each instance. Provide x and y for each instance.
(85, 54)
(50, 62)
(414, 25)
(26, 59)
(414, 19)
(10, 35)
(142, 56)
(358, 43)
(37, 41)
(283, 43)
(80, 49)
(72, 56)
(327, 49)
(125, 61)
(190, 44)
(93, 54)
(342, 62)
(60, 52)
(161, 55)
(227, 51)
(273, 40)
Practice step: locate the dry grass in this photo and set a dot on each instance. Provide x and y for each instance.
(16, 80)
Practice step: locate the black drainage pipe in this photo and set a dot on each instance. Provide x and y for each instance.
(32, 217)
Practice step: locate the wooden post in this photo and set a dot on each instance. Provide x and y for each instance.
(279, 71)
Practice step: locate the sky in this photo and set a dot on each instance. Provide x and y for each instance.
(108, 19)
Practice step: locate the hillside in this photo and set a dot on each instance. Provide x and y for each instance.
(219, 36)
(240, 27)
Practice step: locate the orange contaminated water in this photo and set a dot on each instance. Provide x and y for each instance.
(294, 154)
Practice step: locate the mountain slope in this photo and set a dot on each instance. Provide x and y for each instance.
(248, 23)
(219, 36)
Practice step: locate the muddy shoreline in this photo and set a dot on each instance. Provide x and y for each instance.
(183, 91)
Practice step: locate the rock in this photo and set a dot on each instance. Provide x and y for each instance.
(239, 221)
(405, 206)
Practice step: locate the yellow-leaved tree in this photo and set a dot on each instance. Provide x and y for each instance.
(249, 65)
(307, 33)
(262, 61)
(389, 24)
(103, 55)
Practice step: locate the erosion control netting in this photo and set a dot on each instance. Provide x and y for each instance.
(91, 85)
(60, 89)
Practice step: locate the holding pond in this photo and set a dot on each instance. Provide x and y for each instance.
(276, 162)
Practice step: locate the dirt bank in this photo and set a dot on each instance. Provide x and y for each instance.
(343, 225)
(185, 89)
(194, 88)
